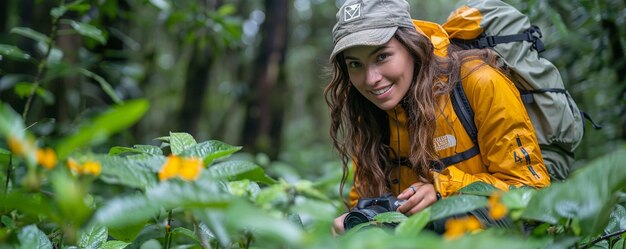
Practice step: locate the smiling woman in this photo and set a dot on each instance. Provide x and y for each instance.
(392, 115)
(382, 74)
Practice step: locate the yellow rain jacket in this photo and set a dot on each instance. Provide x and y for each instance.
(509, 152)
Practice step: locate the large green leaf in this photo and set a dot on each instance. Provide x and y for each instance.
(126, 233)
(30, 33)
(577, 198)
(126, 211)
(478, 188)
(103, 126)
(180, 141)
(129, 172)
(34, 205)
(496, 239)
(71, 197)
(242, 216)
(414, 224)
(210, 150)
(458, 204)
(89, 31)
(92, 237)
(198, 194)
(31, 237)
(13, 52)
(239, 170)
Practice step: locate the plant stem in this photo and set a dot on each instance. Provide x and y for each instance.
(42, 65)
(601, 238)
(168, 230)
(9, 172)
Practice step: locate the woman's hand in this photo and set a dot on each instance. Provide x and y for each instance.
(338, 225)
(419, 196)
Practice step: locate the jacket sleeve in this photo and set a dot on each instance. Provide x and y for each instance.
(508, 146)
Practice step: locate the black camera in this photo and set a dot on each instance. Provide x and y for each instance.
(367, 208)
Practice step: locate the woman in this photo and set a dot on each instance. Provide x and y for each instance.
(391, 112)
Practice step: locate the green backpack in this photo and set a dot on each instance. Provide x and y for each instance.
(557, 120)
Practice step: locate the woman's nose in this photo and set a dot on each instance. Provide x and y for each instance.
(373, 75)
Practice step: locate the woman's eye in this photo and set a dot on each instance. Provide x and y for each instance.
(353, 64)
(382, 57)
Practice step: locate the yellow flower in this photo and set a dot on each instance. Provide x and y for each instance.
(73, 165)
(47, 158)
(89, 167)
(16, 146)
(497, 210)
(170, 167)
(186, 168)
(190, 169)
(92, 168)
(456, 228)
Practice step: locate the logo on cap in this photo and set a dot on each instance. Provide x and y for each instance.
(351, 12)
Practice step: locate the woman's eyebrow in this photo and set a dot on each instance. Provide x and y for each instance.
(376, 50)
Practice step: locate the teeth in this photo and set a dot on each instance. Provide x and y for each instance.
(382, 91)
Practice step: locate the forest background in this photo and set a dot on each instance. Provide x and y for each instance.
(251, 73)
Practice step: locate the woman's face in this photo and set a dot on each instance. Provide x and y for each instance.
(382, 73)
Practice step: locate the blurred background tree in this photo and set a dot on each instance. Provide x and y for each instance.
(252, 73)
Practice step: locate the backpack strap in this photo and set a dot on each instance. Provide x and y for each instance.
(465, 113)
(492, 41)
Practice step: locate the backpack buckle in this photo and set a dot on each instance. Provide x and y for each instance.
(486, 42)
(535, 39)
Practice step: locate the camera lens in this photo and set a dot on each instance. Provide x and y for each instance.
(364, 215)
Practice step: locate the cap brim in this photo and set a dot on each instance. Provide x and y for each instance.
(368, 37)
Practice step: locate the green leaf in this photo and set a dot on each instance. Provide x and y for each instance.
(185, 232)
(478, 188)
(139, 148)
(458, 204)
(31, 237)
(243, 216)
(106, 87)
(34, 205)
(239, 170)
(129, 172)
(70, 197)
(103, 126)
(13, 52)
(617, 220)
(92, 237)
(198, 194)
(89, 31)
(180, 141)
(210, 150)
(7, 222)
(126, 233)
(58, 11)
(30, 33)
(214, 225)
(114, 244)
(414, 224)
(23, 89)
(493, 239)
(590, 204)
(306, 188)
(126, 211)
(390, 217)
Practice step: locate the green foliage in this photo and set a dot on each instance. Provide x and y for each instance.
(234, 203)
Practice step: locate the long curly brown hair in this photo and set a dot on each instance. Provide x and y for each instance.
(359, 129)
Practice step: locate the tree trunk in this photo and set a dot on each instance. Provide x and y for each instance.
(268, 91)
(197, 82)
